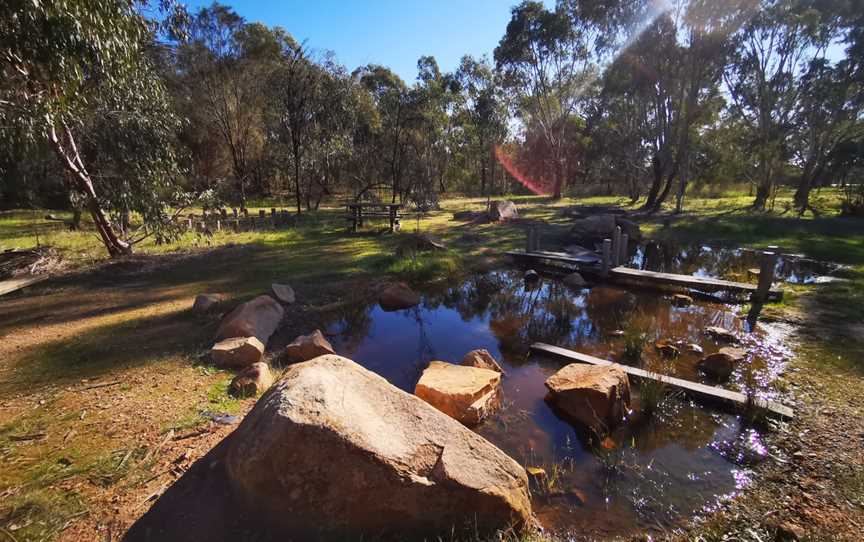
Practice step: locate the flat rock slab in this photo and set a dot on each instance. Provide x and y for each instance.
(464, 393)
(596, 397)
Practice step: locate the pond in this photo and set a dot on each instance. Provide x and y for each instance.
(651, 473)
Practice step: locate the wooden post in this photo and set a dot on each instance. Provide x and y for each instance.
(766, 276)
(218, 225)
(189, 224)
(607, 250)
(236, 225)
(622, 258)
(234, 211)
(616, 246)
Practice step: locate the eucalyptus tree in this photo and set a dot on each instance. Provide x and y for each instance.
(223, 68)
(391, 98)
(775, 47)
(546, 63)
(73, 68)
(484, 113)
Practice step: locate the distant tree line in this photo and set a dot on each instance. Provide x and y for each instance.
(123, 109)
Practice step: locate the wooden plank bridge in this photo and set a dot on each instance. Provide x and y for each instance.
(650, 278)
(731, 399)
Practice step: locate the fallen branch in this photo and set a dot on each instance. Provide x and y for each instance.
(102, 385)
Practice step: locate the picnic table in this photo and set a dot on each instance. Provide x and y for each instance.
(358, 211)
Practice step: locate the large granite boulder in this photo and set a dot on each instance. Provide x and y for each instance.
(596, 397)
(595, 228)
(306, 347)
(397, 296)
(467, 394)
(501, 211)
(237, 352)
(257, 318)
(333, 450)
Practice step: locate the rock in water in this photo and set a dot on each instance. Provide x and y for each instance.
(257, 318)
(681, 300)
(398, 296)
(503, 210)
(467, 394)
(481, 359)
(721, 334)
(597, 397)
(737, 354)
(306, 347)
(718, 365)
(283, 293)
(575, 280)
(237, 352)
(333, 450)
(207, 302)
(251, 381)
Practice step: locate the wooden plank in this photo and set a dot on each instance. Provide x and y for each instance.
(12, 285)
(553, 256)
(687, 281)
(696, 390)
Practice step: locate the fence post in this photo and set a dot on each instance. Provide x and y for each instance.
(622, 257)
(616, 245)
(607, 249)
(766, 276)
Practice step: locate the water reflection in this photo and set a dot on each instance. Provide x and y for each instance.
(652, 471)
(723, 262)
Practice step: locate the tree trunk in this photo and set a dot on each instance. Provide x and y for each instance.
(83, 184)
(656, 181)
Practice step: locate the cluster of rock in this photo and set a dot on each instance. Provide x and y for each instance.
(333, 450)
(719, 365)
(242, 336)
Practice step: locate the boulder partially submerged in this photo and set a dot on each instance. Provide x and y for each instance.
(596, 397)
(464, 393)
(397, 296)
(333, 450)
(595, 228)
(257, 318)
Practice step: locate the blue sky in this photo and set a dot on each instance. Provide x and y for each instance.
(394, 33)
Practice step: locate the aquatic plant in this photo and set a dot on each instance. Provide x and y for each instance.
(635, 339)
(652, 390)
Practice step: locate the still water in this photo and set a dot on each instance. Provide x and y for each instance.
(654, 471)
